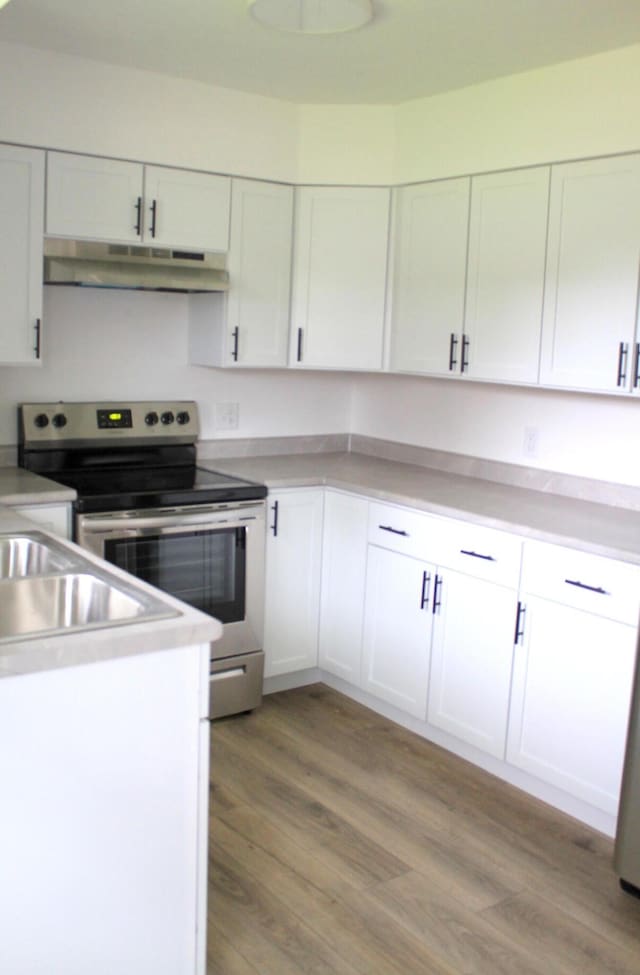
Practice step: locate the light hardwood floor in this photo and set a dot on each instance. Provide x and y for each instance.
(341, 843)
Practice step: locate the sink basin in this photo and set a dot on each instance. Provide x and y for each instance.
(24, 555)
(59, 603)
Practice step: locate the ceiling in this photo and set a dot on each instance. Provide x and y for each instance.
(412, 49)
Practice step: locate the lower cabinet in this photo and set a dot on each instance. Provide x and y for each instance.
(292, 590)
(54, 517)
(397, 629)
(471, 660)
(344, 564)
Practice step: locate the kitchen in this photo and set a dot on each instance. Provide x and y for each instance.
(96, 346)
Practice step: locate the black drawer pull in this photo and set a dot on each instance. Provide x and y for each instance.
(437, 593)
(466, 342)
(395, 531)
(154, 214)
(623, 353)
(37, 328)
(299, 349)
(274, 526)
(522, 609)
(426, 585)
(583, 585)
(138, 224)
(234, 350)
(477, 555)
(453, 344)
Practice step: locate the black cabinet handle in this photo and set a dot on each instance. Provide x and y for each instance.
(453, 345)
(477, 555)
(138, 224)
(37, 329)
(395, 531)
(274, 526)
(582, 585)
(299, 352)
(636, 367)
(424, 595)
(234, 350)
(623, 353)
(154, 211)
(466, 342)
(519, 634)
(437, 594)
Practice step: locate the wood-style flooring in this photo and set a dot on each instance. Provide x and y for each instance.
(342, 843)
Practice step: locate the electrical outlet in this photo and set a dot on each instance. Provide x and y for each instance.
(530, 444)
(226, 416)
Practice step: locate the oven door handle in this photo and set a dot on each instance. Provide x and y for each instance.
(89, 524)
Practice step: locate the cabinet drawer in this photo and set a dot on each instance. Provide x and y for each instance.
(481, 552)
(590, 582)
(403, 530)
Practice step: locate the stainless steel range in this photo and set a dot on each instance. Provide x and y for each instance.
(144, 505)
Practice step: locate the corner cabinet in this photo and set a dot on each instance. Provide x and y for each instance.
(22, 209)
(248, 326)
(128, 202)
(591, 297)
(292, 590)
(339, 277)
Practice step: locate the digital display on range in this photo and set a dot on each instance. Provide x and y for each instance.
(114, 419)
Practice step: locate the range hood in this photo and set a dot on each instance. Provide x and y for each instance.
(93, 264)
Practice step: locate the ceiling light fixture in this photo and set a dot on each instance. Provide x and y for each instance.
(312, 16)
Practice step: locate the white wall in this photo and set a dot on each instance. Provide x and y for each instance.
(589, 436)
(110, 344)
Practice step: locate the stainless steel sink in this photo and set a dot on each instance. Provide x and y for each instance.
(25, 555)
(59, 603)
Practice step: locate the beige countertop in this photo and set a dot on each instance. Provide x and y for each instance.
(186, 627)
(598, 528)
(18, 486)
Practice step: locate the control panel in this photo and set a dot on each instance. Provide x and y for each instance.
(55, 422)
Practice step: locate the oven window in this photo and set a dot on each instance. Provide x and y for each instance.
(203, 568)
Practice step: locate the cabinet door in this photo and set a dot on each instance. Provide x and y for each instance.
(259, 273)
(292, 591)
(21, 218)
(397, 629)
(570, 700)
(54, 517)
(339, 277)
(431, 223)
(187, 209)
(344, 561)
(94, 198)
(591, 291)
(471, 659)
(505, 279)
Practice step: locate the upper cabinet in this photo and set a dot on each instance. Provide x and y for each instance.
(593, 259)
(339, 277)
(108, 199)
(249, 324)
(22, 210)
(505, 276)
(430, 236)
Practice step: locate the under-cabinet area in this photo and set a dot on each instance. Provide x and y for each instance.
(514, 653)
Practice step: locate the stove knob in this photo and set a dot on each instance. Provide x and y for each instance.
(151, 419)
(167, 417)
(41, 421)
(59, 420)
(183, 417)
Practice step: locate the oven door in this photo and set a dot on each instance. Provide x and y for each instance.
(209, 556)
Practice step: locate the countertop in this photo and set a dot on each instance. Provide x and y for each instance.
(18, 486)
(598, 528)
(52, 652)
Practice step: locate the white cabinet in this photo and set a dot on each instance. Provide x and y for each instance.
(249, 324)
(591, 293)
(104, 771)
(54, 517)
(397, 629)
(471, 660)
(109, 199)
(505, 277)
(344, 558)
(573, 671)
(21, 218)
(339, 277)
(292, 591)
(430, 232)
